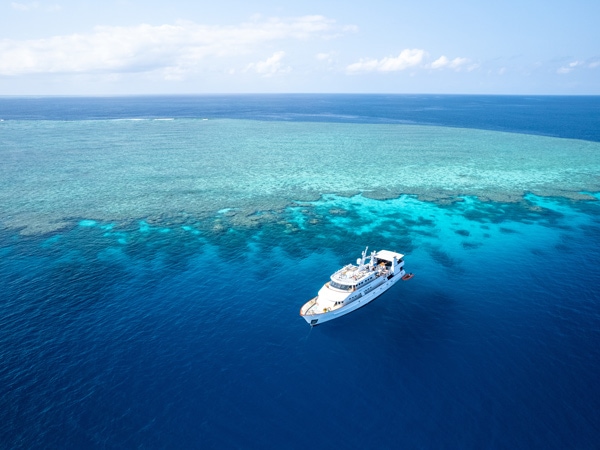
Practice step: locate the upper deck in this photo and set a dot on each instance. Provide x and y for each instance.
(387, 255)
(350, 274)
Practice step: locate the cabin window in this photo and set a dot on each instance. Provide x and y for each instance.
(368, 280)
(342, 287)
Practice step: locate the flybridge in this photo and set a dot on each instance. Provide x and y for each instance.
(351, 275)
(386, 255)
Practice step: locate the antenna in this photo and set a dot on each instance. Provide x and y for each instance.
(372, 262)
(364, 255)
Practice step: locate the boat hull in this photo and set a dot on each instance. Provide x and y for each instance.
(317, 319)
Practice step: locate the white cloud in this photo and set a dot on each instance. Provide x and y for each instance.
(592, 63)
(271, 66)
(569, 67)
(442, 61)
(24, 7)
(329, 58)
(455, 64)
(172, 48)
(406, 59)
(410, 59)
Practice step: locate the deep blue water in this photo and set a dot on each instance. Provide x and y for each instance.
(183, 332)
(575, 117)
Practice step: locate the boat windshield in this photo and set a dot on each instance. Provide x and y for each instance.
(342, 287)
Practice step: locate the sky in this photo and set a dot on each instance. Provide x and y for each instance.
(128, 47)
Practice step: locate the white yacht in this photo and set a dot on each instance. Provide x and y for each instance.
(354, 286)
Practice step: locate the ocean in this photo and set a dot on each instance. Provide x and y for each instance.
(155, 253)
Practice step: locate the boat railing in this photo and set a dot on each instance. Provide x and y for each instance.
(305, 310)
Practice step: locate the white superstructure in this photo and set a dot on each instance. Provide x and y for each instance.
(354, 286)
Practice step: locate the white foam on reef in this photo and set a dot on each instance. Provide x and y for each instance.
(113, 172)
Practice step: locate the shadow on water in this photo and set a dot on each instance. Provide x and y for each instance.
(445, 259)
(521, 212)
(471, 245)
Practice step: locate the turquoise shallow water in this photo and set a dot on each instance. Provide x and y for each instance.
(152, 273)
(130, 169)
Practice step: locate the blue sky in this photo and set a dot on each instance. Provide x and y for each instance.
(119, 47)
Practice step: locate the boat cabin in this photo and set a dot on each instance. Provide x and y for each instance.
(350, 277)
